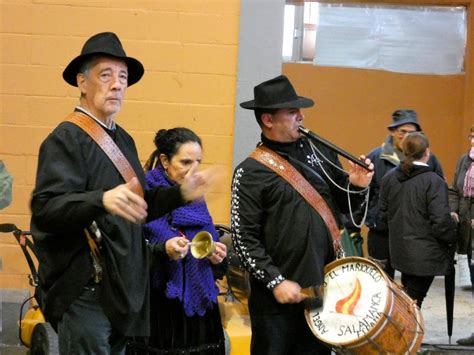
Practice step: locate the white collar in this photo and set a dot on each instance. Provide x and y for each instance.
(112, 125)
(420, 163)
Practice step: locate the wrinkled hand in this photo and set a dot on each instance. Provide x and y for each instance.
(219, 254)
(177, 247)
(455, 217)
(472, 223)
(123, 202)
(288, 292)
(196, 183)
(358, 176)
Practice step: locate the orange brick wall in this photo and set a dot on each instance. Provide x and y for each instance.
(188, 48)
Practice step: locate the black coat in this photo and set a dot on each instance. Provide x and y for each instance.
(385, 159)
(73, 173)
(275, 232)
(416, 211)
(463, 206)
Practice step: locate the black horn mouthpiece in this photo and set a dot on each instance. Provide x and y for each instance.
(313, 136)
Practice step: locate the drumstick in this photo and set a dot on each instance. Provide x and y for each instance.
(312, 302)
(313, 296)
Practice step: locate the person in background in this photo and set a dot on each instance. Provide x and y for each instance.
(96, 297)
(414, 208)
(385, 158)
(6, 182)
(185, 316)
(280, 239)
(461, 200)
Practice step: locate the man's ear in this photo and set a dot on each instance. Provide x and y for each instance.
(267, 120)
(81, 82)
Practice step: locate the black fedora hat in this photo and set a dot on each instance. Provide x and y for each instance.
(109, 45)
(276, 93)
(404, 116)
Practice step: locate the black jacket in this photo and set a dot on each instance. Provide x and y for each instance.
(276, 233)
(463, 206)
(73, 173)
(385, 159)
(416, 211)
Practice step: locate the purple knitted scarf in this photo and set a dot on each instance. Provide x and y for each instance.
(469, 178)
(190, 280)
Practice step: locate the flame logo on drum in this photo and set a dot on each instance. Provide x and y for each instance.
(347, 304)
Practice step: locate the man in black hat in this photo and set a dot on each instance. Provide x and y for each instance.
(385, 158)
(280, 239)
(94, 303)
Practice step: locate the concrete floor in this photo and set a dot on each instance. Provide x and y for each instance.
(435, 341)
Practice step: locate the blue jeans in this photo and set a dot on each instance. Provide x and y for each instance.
(85, 329)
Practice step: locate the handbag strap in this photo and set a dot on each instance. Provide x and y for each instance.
(279, 165)
(106, 143)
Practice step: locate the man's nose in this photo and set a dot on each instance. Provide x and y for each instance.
(117, 84)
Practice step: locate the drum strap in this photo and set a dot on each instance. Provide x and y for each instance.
(282, 167)
(106, 143)
(113, 152)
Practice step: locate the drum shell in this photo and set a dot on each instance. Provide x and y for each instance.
(399, 330)
(238, 278)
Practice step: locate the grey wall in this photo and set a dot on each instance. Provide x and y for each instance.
(260, 46)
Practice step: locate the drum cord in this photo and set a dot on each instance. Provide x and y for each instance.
(348, 190)
(411, 303)
(408, 346)
(369, 340)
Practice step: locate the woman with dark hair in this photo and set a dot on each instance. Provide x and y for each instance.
(461, 199)
(185, 316)
(414, 206)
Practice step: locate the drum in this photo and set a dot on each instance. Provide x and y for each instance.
(237, 277)
(364, 312)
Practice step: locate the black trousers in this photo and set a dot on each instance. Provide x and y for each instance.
(283, 334)
(417, 286)
(378, 248)
(280, 329)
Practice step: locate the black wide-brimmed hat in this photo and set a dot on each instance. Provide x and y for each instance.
(276, 93)
(403, 116)
(107, 44)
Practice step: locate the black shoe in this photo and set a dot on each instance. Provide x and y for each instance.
(469, 341)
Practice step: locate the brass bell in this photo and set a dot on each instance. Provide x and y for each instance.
(202, 245)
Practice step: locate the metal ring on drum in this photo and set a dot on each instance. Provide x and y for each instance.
(364, 312)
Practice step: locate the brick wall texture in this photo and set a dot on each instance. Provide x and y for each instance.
(188, 49)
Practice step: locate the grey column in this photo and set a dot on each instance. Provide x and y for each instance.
(260, 59)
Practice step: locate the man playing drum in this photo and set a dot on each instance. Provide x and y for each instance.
(280, 239)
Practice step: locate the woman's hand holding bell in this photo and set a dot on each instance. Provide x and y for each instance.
(177, 247)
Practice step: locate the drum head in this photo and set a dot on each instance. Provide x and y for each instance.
(355, 297)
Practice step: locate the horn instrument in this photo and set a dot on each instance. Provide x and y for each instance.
(314, 137)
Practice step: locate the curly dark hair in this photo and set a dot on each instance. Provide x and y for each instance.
(168, 142)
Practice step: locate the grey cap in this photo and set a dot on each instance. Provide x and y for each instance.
(404, 116)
